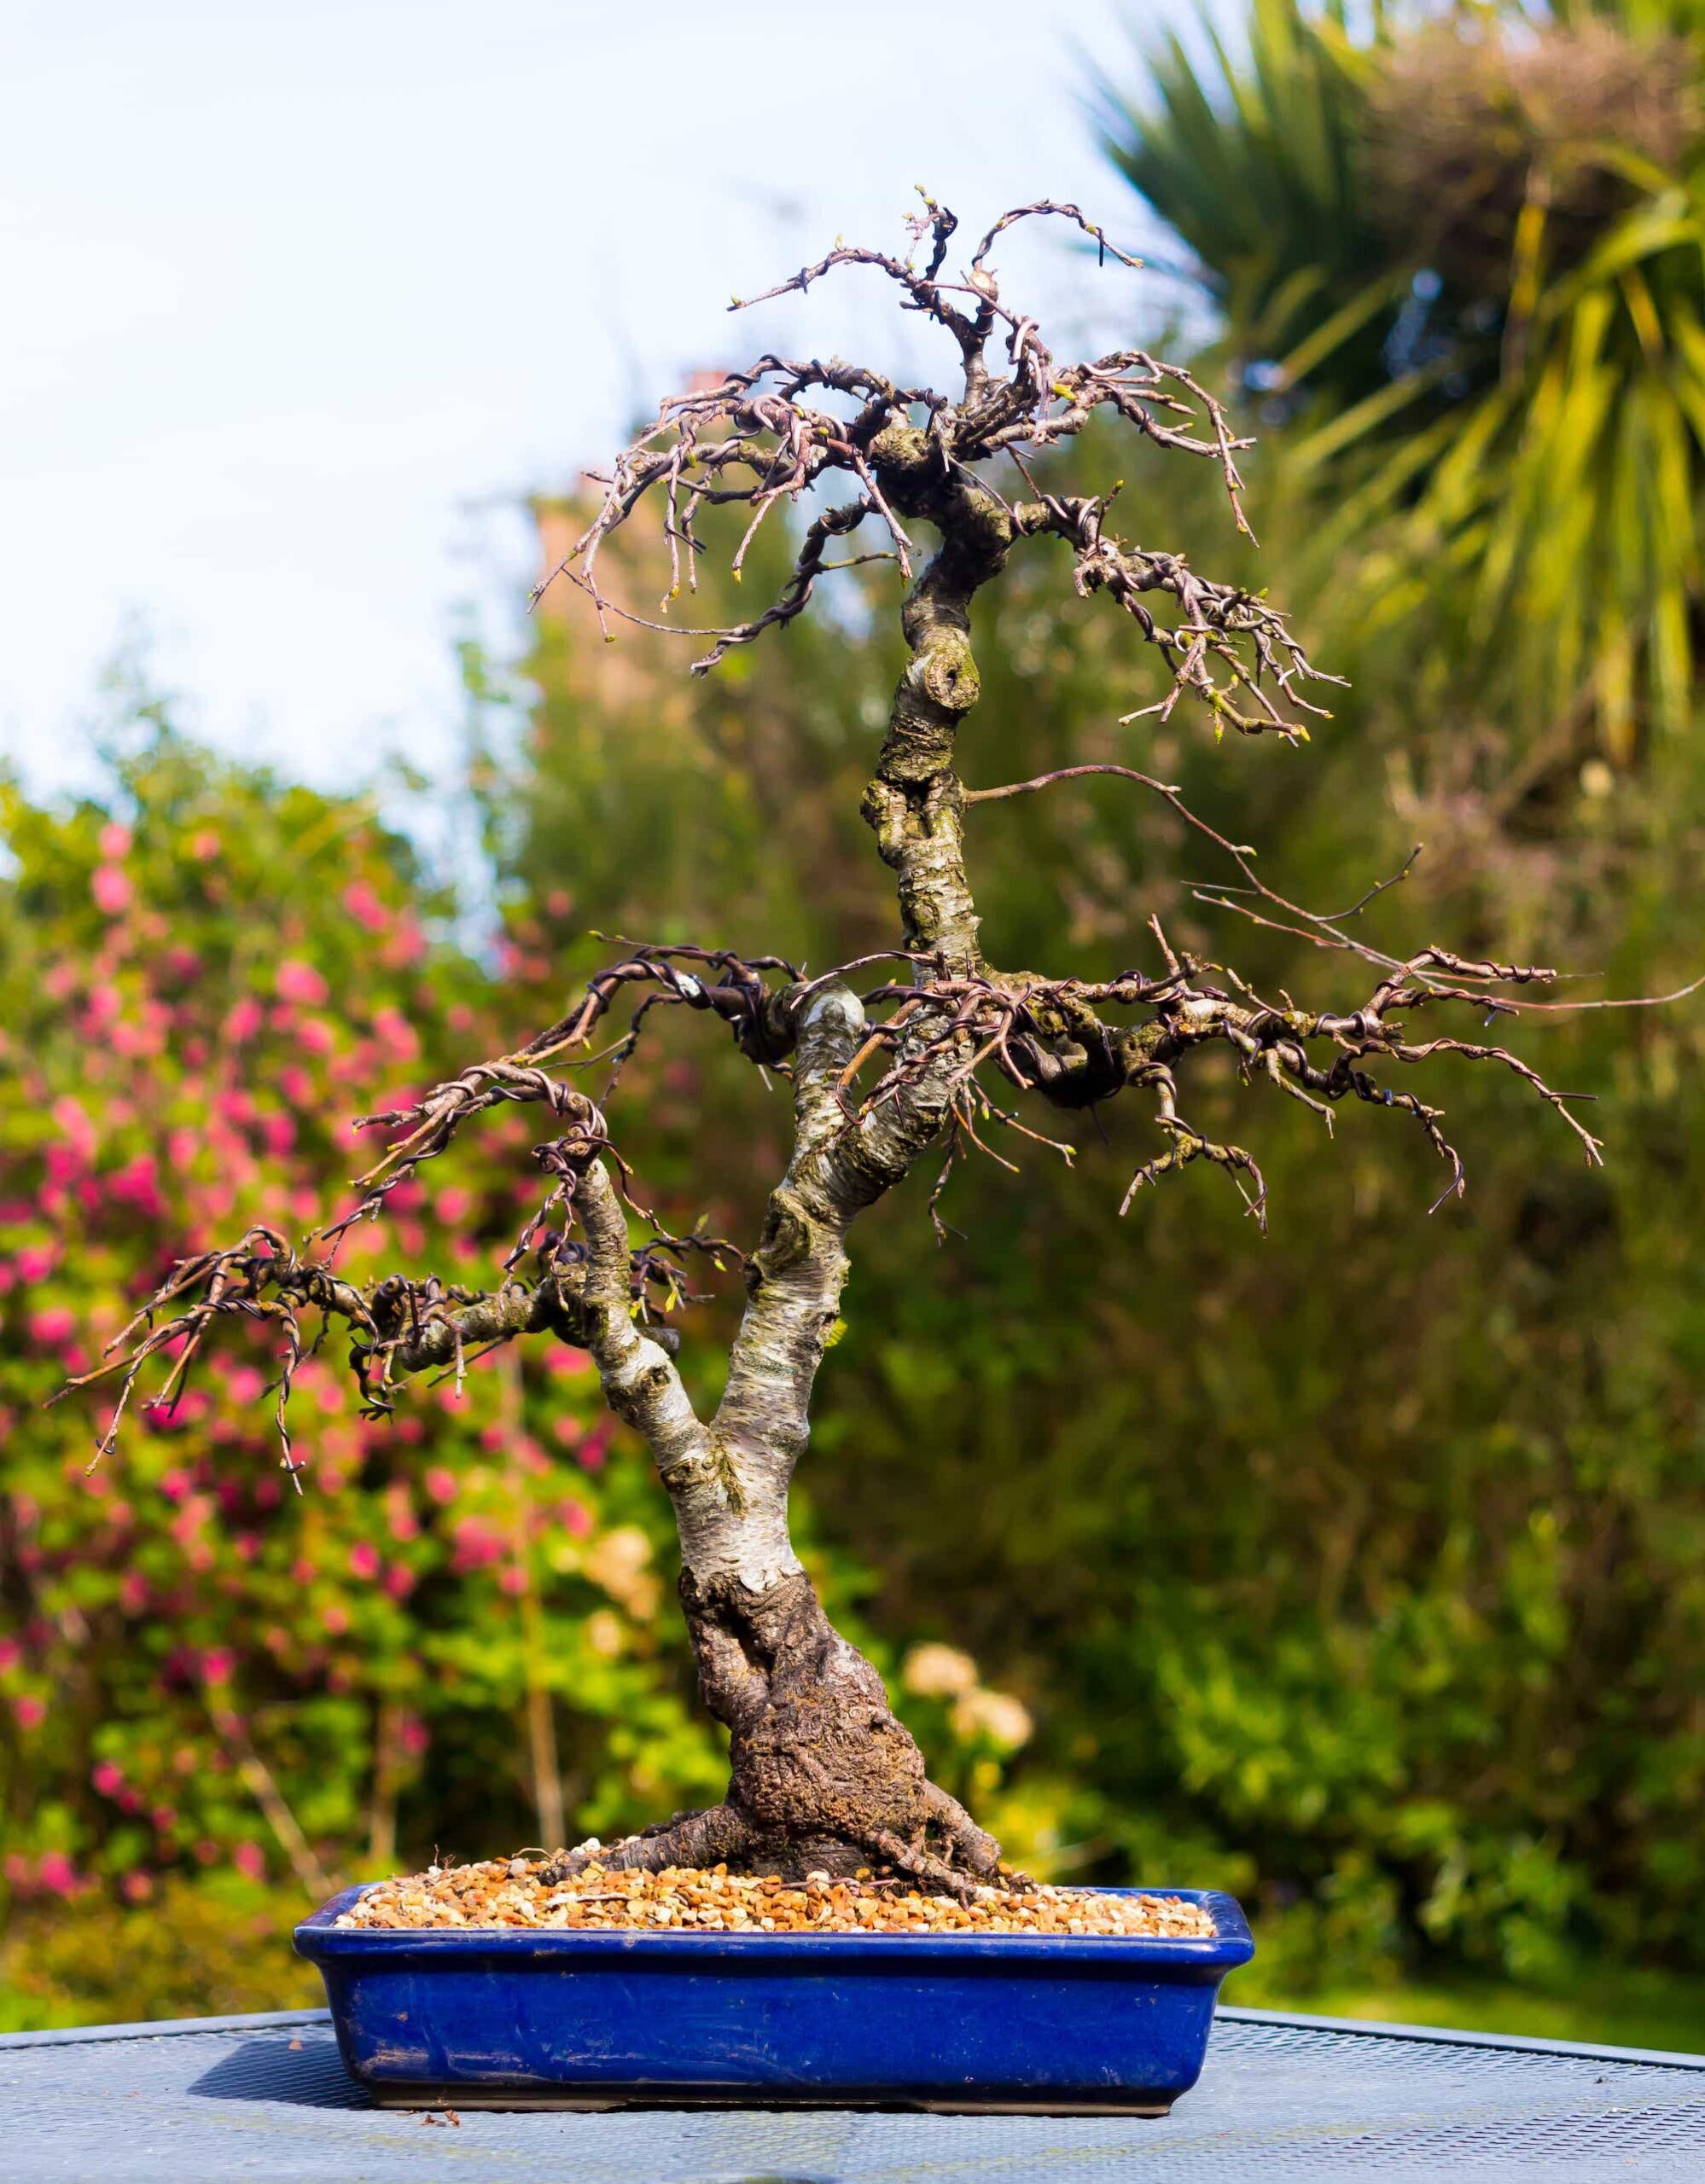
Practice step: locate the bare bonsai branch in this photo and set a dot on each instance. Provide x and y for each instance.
(822, 1773)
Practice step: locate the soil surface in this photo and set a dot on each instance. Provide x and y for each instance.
(512, 1893)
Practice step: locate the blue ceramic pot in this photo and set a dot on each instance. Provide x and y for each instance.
(495, 2017)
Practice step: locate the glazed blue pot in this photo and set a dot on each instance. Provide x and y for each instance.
(1053, 2024)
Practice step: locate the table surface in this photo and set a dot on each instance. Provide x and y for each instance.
(1307, 2098)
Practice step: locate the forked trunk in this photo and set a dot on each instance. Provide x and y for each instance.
(822, 1776)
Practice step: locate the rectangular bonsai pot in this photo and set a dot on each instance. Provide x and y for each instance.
(1051, 2024)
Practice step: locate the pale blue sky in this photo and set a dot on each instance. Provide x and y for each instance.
(299, 298)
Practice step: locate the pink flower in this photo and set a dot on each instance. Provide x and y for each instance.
(577, 1518)
(413, 1735)
(75, 1127)
(54, 1325)
(204, 845)
(244, 1020)
(136, 1888)
(115, 841)
(279, 1132)
(56, 1872)
(111, 889)
(396, 1034)
(398, 1581)
(454, 1205)
(245, 1383)
(134, 1184)
(441, 1484)
(132, 1040)
(301, 982)
(365, 907)
(335, 1620)
(11, 1652)
(217, 1665)
(363, 1559)
(247, 1859)
(35, 1263)
(315, 1036)
(477, 1545)
(30, 1712)
(513, 1580)
(107, 1778)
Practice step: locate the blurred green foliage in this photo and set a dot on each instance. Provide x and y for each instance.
(1461, 251)
(1358, 1569)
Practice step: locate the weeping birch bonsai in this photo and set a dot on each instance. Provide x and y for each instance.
(915, 1059)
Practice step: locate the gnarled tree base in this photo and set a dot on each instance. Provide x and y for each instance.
(823, 1778)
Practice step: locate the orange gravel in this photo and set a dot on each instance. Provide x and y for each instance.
(508, 1892)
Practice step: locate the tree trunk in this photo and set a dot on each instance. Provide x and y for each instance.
(823, 1778)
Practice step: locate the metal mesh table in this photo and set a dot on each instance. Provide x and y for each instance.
(1305, 2098)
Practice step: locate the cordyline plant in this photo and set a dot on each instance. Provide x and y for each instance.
(886, 1070)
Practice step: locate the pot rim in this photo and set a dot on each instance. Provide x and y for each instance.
(320, 1939)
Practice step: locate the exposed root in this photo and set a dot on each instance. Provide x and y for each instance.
(924, 1866)
(824, 1778)
(720, 1835)
(715, 1836)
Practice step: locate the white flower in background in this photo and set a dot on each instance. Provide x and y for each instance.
(935, 1671)
(997, 1714)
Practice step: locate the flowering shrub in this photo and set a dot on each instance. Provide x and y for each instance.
(452, 1635)
(221, 1698)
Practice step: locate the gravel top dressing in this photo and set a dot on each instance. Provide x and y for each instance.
(512, 1893)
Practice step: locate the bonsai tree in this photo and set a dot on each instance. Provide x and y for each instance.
(918, 1055)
